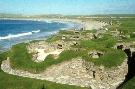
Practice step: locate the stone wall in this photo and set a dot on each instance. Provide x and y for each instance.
(76, 72)
(107, 78)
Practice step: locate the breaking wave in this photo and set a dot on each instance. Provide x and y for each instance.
(10, 36)
(37, 31)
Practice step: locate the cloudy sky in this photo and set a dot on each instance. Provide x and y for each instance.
(68, 7)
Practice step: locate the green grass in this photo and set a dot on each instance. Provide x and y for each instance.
(14, 82)
(54, 38)
(59, 35)
(127, 25)
(35, 41)
(132, 35)
(66, 32)
(98, 44)
(21, 59)
(111, 58)
(130, 84)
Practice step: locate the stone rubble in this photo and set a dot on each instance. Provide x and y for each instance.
(76, 72)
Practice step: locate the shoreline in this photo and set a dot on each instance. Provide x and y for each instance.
(87, 24)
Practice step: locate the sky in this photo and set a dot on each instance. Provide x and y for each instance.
(67, 7)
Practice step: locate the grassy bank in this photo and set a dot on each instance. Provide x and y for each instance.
(111, 58)
(15, 82)
(130, 84)
(21, 59)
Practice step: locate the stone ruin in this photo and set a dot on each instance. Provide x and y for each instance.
(77, 72)
(124, 46)
(64, 37)
(95, 54)
(59, 46)
(106, 78)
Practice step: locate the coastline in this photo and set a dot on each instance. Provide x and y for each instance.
(41, 51)
(87, 25)
(70, 25)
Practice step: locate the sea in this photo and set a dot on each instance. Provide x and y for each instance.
(17, 31)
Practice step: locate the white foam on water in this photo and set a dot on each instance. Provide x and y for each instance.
(10, 36)
(49, 21)
(52, 32)
(37, 31)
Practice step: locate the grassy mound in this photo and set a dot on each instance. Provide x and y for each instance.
(110, 59)
(15, 82)
(106, 41)
(21, 59)
(54, 38)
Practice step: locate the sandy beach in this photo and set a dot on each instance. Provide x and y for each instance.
(89, 24)
(86, 24)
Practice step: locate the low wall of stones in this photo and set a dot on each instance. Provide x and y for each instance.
(76, 72)
(107, 78)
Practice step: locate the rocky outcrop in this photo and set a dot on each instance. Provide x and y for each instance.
(76, 72)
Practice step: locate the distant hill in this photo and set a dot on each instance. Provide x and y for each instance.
(6, 15)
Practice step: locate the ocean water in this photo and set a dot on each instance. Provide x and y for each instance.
(16, 31)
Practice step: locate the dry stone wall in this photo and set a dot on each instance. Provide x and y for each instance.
(76, 72)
